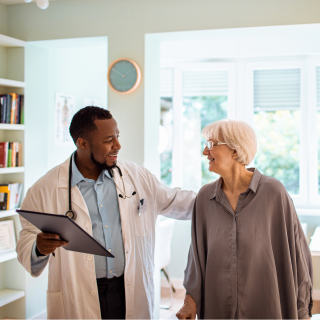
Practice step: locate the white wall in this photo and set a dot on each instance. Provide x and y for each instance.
(3, 19)
(80, 72)
(74, 67)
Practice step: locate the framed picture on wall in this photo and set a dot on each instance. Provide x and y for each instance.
(7, 237)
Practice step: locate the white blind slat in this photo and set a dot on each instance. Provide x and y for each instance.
(277, 89)
(204, 83)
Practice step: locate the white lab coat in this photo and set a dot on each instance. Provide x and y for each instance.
(72, 287)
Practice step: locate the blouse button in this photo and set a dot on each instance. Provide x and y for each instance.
(89, 257)
(93, 292)
(88, 225)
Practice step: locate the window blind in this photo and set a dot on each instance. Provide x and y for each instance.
(166, 82)
(318, 86)
(204, 83)
(277, 89)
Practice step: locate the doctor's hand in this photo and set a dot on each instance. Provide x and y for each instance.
(188, 310)
(48, 242)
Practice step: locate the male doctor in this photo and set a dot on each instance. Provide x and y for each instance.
(83, 286)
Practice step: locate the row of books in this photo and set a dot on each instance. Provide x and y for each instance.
(10, 154)
(12, 108)
(10, 195)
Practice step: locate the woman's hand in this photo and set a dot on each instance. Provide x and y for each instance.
(188, 310)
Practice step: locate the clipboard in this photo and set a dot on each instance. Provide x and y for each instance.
(79, 240)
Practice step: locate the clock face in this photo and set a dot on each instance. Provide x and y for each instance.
(124, 76)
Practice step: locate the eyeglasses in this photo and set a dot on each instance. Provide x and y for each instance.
(211, 144)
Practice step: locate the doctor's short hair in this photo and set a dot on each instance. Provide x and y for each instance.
(82, 123)
(238, 136)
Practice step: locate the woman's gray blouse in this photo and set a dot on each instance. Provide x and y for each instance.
(254, 263)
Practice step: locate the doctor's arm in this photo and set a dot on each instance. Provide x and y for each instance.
(172, 203)
(30, 238)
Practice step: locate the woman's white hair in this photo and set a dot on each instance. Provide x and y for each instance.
(238, 136)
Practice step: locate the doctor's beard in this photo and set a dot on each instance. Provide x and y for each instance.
(102, 166)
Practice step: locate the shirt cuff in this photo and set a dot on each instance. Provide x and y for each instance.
(34, 256)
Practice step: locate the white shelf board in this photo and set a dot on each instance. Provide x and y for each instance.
(8, 295)
(11, 170)
(9, 255)
(7, 213)
(11, 83)
(6, 126)
(6, 41)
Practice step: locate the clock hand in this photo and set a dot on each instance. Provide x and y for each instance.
(117, 72)
(128, 72)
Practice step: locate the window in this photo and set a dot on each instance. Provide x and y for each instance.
(192, 96)
(318, 121)
(205, 100)
(279, 98)
(277, 122)
(166, 124)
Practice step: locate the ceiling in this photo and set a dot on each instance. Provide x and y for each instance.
(17, 1)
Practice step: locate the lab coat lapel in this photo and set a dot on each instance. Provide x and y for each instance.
(76, 196)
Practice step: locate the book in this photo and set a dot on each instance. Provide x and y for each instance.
(3, 201)
(10, 155)
(13, 158)
(13, 107)
(5, 195)
(22, 110)
(2, 155)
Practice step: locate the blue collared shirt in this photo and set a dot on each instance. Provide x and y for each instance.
(102, 202)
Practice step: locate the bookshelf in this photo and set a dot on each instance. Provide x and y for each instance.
(13, 278)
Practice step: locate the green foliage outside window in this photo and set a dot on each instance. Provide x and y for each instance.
(278, 155)
(211, 109)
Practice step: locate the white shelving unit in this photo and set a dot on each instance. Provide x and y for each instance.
(5, 126)
(7, 213)
(13, 284)
(6, 256)
(7, 296)
(11, 83)
(11, 170)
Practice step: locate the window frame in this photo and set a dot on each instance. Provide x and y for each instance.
(177, 104)
(300, 200)
(314, 198)
(241, 106)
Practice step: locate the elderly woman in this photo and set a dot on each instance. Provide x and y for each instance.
(249, 257)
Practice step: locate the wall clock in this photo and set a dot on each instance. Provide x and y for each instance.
(124, 76)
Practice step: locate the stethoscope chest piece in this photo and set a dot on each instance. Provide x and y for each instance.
(71, 214)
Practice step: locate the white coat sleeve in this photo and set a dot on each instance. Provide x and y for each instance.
(28, 236)
(172, 203)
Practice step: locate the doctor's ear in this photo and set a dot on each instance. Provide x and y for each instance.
(81, 143)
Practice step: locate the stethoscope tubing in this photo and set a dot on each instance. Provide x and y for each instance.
(72, 214)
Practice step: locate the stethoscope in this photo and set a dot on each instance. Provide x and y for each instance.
(72, 214)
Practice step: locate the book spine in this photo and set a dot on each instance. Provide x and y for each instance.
(9, 102)
(22, 110)
(17, 109)
(2, 154)
(13, 107)
(10, 155)
(3, 119)
(6, 154)
(1, 107)
(13, 160)
(20, 155)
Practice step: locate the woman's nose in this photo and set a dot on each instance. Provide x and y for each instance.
(205, 151)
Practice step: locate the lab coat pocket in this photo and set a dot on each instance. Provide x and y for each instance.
(55, 307)
(142, 218)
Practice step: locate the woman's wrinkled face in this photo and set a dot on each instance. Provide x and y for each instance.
(220, 158)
